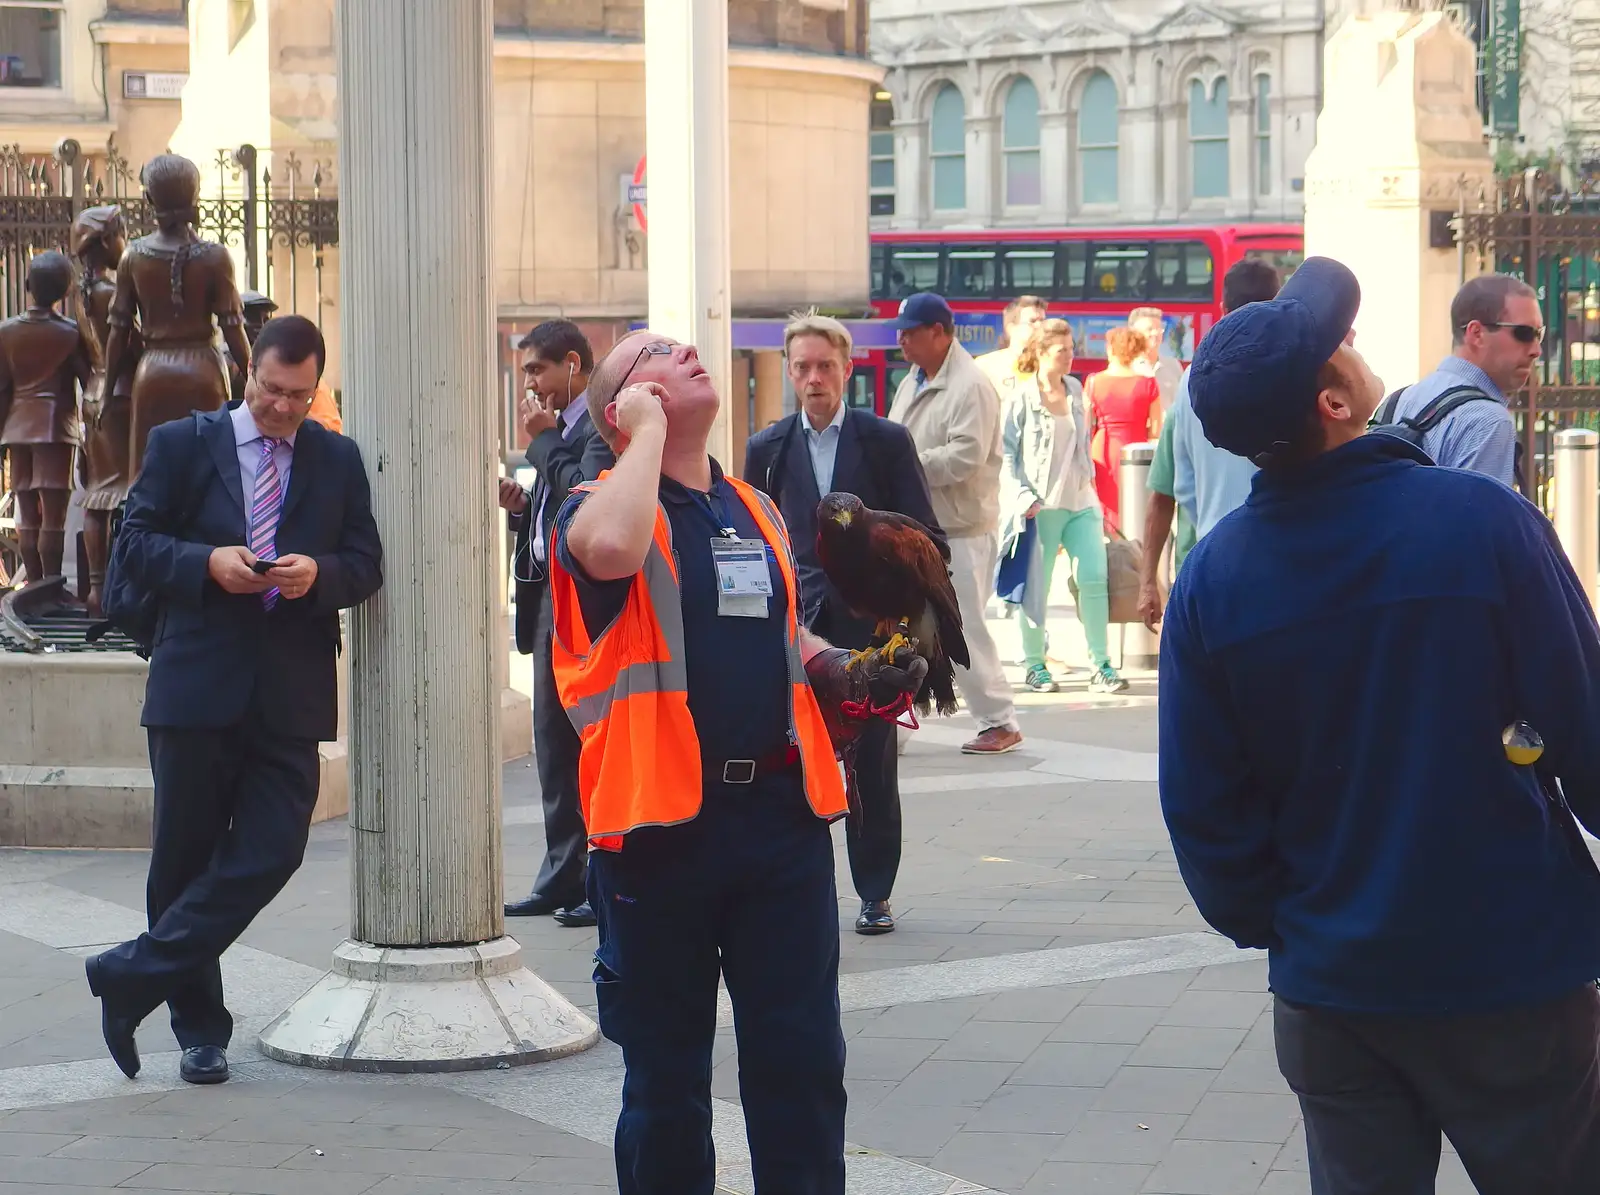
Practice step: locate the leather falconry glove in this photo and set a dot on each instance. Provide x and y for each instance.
(852, 687)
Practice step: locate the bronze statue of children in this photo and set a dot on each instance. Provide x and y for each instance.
(98, 242)
(175, 284)
(42, 364)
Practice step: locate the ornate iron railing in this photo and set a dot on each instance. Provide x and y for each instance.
(281, 214)
(1534, 227)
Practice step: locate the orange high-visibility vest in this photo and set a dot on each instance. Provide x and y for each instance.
(626, 692)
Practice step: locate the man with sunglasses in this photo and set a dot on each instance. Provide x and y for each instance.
(1457, 414)
(252, 528)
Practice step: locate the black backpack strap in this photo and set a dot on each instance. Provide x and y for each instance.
(1440, 408)
(1386, 409)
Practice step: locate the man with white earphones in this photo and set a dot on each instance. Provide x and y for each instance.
(556, 362)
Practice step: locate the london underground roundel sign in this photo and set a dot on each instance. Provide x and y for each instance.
(636, 195)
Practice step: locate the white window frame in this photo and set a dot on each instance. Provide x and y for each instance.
(1209, 86)
(873, 159)
(1098, 147)
(1007, 152)
(64, 63)
(936, 156)
(1262, 131)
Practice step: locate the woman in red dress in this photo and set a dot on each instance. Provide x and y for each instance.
(1126, 406)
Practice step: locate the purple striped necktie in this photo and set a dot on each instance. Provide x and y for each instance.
(265, 507)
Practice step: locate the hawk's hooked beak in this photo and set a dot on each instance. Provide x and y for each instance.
(842, 517)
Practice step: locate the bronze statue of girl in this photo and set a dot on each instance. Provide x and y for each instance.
(105, 472)
(175, 284)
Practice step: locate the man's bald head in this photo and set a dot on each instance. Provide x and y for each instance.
(606, 382)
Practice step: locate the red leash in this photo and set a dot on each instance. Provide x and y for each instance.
(901, 705)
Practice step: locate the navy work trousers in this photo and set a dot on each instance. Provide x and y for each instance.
(1517, 1093)
(744, 891)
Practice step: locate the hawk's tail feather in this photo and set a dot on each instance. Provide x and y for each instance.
(940, 687)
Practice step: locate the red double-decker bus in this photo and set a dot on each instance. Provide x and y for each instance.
(1091, 277)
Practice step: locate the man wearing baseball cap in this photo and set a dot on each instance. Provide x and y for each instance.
(1380, 714)
(952, 411)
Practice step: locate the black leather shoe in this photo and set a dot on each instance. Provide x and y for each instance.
(536, 905)
(204, 1064)
(579, 916)
(116, 1027)
(875, 918)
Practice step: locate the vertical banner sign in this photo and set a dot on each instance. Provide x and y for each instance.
(1505, 65)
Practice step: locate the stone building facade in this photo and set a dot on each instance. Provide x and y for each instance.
(88, 70)
(569, 135)
(1058, 112)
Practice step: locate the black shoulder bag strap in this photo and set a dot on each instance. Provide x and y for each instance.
(775, 469)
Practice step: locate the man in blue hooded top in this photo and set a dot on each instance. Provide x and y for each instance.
(1380, 715)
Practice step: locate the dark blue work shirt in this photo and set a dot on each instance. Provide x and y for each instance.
(738, 670)
(1338, 662)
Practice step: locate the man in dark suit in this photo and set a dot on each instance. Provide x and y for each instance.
(823, 447)
(556, 363)
(252, 528)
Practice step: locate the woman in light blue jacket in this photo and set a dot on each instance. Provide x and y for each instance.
(1048, 503)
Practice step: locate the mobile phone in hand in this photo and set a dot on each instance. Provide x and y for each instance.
(263, 566)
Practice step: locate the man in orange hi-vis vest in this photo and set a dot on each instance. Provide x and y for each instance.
(709, 724)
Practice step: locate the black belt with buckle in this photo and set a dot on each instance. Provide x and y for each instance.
(748, 771)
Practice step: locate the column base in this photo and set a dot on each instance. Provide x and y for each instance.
(436, 1008)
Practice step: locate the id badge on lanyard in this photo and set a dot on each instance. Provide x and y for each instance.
(744, 583)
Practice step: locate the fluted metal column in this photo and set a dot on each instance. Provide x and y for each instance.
(416, 310)
(427, 981)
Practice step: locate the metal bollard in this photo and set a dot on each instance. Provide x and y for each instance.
(1140, 648)
(1577, 471)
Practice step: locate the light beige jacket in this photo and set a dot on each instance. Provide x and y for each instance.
(955, 422)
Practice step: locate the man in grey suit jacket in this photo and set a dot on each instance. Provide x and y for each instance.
(556, 362)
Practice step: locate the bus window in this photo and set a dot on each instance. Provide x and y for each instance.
(1183, 272)
(862, 388)
(1072, 270)
(893, 374)
(880, 271)
(1118, 272)
(1285, 261)
(1028, 270)
(970, 274)
(911, 268)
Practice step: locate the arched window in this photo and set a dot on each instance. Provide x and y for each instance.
(1208, 139)
(947, 141)
(880, 153)
(1019, 139)
(1264, 134)
(1097, 139)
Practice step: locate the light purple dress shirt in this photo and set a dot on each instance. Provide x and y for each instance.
(248, 439)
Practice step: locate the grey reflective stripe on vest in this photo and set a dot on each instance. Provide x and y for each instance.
(669, 675)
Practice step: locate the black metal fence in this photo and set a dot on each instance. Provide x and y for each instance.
(1534, 227)
(279, 211)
